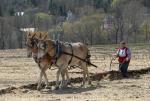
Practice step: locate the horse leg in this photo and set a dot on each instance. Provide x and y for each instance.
(84, 79)
(45, 76)
(63, 79)
(85, 73)
(42, 72)
(39, 81)
(57, 81)
(88, 77)
(67, 76)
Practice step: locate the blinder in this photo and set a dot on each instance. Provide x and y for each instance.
(44, 45)
(34, 42)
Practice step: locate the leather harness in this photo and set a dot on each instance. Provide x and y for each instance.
(59, 52)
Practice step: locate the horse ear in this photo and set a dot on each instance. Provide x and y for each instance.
(45, 37)
(40, 35)
(33, 35)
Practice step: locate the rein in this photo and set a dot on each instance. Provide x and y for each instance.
(112, 62)
(33, 43)
(79, 58)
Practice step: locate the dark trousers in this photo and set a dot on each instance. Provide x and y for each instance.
(124, 68)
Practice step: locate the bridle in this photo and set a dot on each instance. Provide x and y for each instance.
(33, 43)
(45, 47)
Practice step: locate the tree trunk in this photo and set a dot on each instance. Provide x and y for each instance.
(117, 30)
(91, 39)
(2, 35)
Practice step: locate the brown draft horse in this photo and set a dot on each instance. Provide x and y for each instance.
(45, 62)
(67, 56)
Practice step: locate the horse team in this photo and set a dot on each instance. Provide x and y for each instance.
(49, 53)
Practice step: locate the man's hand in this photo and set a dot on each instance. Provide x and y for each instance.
(115, 55)
(127, 59)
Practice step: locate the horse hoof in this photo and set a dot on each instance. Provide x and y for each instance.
(57, 88)
(47, 87)
(90, 83)
(38, 88)
(83, 85)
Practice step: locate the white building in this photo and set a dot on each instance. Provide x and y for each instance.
(28, 29)
(19, 13)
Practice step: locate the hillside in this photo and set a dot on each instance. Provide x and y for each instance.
(88, 21)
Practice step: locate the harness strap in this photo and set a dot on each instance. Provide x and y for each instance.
(56, 61)
(71, 54)
(58, 53)
(84, 60)
(88, 57)
(58, 50)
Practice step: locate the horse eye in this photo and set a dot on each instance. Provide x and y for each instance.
(43, 45)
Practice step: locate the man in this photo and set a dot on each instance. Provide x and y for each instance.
(124, 56)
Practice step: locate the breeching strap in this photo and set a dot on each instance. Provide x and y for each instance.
(71, 54)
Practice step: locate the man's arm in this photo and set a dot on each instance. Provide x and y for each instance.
(129, 54)
(117, 53)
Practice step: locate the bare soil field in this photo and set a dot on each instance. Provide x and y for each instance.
(18, 71)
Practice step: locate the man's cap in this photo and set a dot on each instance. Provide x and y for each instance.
(122, 42)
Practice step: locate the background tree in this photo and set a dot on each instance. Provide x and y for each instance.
(92, 22)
